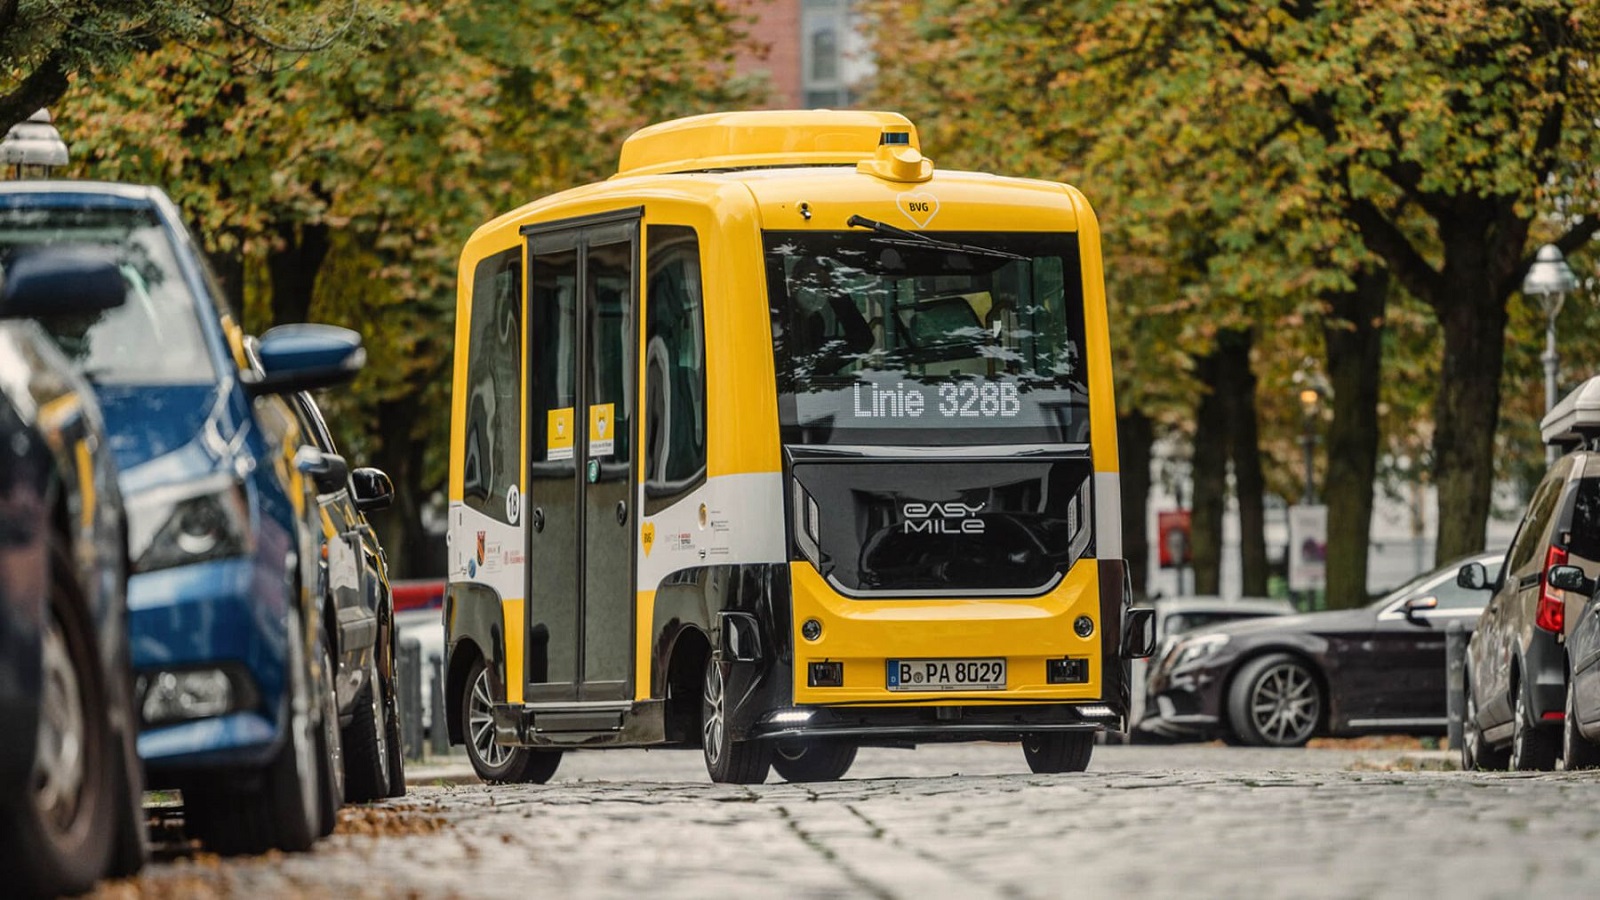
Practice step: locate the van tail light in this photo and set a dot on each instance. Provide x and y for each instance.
(1551, 615)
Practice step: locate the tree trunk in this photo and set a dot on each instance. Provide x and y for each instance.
(1238, 384)
(1466, 414)
(1353, 335)
(229, 267)
(412, 552)
(1135, 435)
(1210, 476)
(294, 267)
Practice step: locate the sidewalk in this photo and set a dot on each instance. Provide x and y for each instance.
(451, 769)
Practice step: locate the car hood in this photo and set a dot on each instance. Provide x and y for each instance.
(151, 422)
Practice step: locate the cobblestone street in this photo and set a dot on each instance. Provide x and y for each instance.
(964, 820)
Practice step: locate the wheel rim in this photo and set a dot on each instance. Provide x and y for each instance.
(1285, 704)
(331, 735)
(60, 767)
(480, 724)
(712, 730)
(1519, 734)
(379, 722)
(302, 727)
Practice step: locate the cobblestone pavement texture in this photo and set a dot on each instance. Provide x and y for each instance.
(952, 821)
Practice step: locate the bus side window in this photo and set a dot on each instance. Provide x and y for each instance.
(494, 384)
(675, 368)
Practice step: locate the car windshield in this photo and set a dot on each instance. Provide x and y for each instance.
(969, 338)
(1181, 623)
(155, 336)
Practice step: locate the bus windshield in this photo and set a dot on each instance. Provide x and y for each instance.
(953, 338)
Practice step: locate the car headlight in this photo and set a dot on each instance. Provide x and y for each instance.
(1196, 649)
(181, 524)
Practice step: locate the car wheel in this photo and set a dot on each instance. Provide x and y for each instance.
(366, 741)
(1054, 752)
(391, 724)
(1475, 750)
(1577, 751)
(800, 761)
(331, 790)
(1275, 701)
(1533, 749)
(285, 809)
(59, 840)
(496, 763)
(727, 761)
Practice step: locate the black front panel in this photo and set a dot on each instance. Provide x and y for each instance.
(973, 527)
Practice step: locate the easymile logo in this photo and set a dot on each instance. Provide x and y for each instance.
(942, 518)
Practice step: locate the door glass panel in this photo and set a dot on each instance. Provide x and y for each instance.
(608, 584)
(553, 433)
(675, 369)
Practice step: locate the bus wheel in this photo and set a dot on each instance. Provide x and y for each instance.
(728, 761)
(813, 760)
(496, 763)
(1054, 752)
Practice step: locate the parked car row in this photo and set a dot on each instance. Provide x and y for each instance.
(187, 575)
(1532, 681)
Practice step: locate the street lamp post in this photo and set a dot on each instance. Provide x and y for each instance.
(1549, 279)
(32, 148)
(1308, 441)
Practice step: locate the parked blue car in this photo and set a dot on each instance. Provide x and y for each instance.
(70, 779)
(235, 644)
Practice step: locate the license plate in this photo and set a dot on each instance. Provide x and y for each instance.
(947, 674)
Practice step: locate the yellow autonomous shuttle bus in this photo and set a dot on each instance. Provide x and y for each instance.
(781, 442)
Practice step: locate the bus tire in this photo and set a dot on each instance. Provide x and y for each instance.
(497, 763)
(1054, 752)
(727, 761)
(799, 761)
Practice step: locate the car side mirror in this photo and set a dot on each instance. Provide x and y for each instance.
(1570, 578)
(45, 282)
(374, 490)
(1138, 633)
(328, 471)
(304, 357)
(1416, 605)
(1473, 576)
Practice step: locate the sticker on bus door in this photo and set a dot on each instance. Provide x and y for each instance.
(602, 426)
(558, 431)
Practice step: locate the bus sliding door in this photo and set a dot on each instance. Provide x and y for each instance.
(583, 331)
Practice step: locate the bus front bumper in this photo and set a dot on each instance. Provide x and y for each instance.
(933, 724)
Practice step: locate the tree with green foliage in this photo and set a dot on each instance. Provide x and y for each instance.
(44, 45)
(342, 188)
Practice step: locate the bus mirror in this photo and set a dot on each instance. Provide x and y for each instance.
(1138, 633)
(741, 637)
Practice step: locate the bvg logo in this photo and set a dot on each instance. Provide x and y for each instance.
(942, 518)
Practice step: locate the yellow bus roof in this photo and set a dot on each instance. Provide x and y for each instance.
(735, 140)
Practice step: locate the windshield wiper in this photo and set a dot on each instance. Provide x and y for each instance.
(904, 235)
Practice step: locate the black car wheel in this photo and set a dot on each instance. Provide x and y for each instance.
(1475, 751)
(285, 808)
(1275, 701)
(727, 761)
(1577, 751)
(496, 763)
(1055, 752)
(59, 839)
(366, 741)
(331, 743)
(800, 761)
(391, 724)
(1533, 748)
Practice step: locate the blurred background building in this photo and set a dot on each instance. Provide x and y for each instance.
(812, 51)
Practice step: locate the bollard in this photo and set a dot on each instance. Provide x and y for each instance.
(1455, 667)
(409, 662)
(438, 733)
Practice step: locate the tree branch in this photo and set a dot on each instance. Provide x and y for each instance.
(1384, 238)
(43, 87)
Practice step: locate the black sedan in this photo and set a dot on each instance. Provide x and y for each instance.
(1280, 681)
(70, 780)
